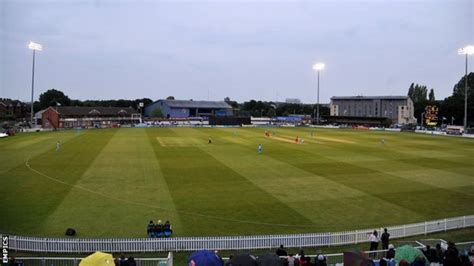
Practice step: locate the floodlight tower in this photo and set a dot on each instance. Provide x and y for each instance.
(468, 50)
(35, 47)
(318, 67)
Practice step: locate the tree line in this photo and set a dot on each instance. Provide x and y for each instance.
(451, 109)
(271, 109)
(55, 97)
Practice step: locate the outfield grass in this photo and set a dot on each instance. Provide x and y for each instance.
(111, 182)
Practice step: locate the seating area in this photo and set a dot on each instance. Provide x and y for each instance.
(446, 254)
(159, 229)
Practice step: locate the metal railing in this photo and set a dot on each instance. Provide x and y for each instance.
(331, 259)
(84, 245)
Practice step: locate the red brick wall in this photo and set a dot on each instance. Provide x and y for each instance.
(50, 118)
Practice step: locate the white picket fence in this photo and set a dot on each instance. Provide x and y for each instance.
(84, 245)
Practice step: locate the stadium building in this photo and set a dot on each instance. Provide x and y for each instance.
(398, 109)
(185, 109)
(86, 117)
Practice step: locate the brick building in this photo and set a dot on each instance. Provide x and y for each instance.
(86, 117)
(399, 109)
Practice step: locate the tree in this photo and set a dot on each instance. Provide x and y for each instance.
(271, 112)
(419, 96)
(453, 106)
(234, 104)
(124, 103)
(431, 96)
(170, 98)
(52, 97)
(418, 93)
(411, 90)
(76, 103)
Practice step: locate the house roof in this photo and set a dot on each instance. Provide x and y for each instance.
(369, 97)
(93, 111)
(10, 102)
(196, 104)
(39, 114)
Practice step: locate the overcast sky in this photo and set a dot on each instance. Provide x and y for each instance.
(246, 50)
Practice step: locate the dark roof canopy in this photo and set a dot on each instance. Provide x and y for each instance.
(94, 111)
(196, 104)
(369, 97)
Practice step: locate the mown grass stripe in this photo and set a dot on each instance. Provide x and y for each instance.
(129, 177)
(35, 197)
(340, 215)
(391, 184)
(14, 151)
(200, 183)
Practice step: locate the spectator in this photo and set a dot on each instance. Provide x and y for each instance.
(303, 261)
(167, 229)
(159, 229)
(391, 252)
(439, 253)
(307, 261)
(122, 261)
(430, 254)
(281, 251)
(451, 256)
(403, 263)
(374, 242)
(385, 239)
(228, 262)
(465, 261)
(471, 253)
(320, 260)
(453, 248)
(131, 262)
(298, 257)
(150, 228)
(291, 260)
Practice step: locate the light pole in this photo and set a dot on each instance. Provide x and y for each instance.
(468, 50)
(35, 47)
(318, 67)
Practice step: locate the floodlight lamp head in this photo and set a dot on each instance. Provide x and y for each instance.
(318, 66)
(35, 46)
(468, 50)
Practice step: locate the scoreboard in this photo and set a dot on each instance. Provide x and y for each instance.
(431, 115)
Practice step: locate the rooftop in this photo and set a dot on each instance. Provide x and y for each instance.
(196, 104)
(369, 97)
(88, 111)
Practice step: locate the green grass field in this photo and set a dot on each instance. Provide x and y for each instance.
(111, 182)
